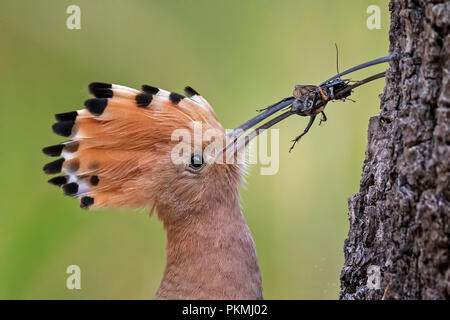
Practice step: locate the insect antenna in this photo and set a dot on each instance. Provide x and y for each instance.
(337, 57)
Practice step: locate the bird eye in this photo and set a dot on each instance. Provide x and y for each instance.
(196, 161)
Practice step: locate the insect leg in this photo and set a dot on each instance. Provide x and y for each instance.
(310, 123)
(323, 118)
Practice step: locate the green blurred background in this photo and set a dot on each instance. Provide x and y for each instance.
(241, 55)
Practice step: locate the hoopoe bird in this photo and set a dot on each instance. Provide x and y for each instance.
(120, 155)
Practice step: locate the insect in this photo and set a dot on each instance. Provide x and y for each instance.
(309, 100)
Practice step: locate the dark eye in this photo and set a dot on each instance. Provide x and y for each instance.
(196, 161)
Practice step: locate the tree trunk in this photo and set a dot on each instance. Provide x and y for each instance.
(398, 242)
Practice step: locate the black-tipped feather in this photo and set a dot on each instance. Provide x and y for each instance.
(150, 89)
(143, 99)
(102, 93)
(96, 106)
(58, 181)
(67, 116)
(86, 202)
(70, 188)
(63, 128)
(53, 167)
(190, 92)
(53, 151)
(98, 85)
(175, 97)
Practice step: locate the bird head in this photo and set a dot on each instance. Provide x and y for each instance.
(137, 148)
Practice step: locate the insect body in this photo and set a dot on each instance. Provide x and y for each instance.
(310, 100)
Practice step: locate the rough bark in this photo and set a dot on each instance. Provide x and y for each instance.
(399, 220)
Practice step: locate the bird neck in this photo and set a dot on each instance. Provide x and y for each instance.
(211, 255)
